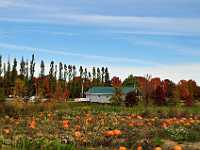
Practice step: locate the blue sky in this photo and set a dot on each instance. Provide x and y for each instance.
(159, 37)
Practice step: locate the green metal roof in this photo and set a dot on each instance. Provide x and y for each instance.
(109, 90)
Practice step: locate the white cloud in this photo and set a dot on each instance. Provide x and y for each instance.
(162, 25)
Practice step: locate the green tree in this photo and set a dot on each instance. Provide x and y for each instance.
(42, 69)
(98, 76)
(107, 77)
(70, 72)
(60, 71)
(130, 82)
(85, 74)
(94, 76)
(14, 71)
(74, 71)
(65, 72)
(31, 87)
(22, 68)
(102, 75)
(81, 72)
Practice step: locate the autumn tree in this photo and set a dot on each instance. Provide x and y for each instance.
(20, 87)
(184, 91)
(42, 69)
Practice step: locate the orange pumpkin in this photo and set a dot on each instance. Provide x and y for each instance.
(77, 127)
(77, 134)
(32, 124)
(158, 148)
(139, 147)
(122, 148)
(65, 124)
(6, 131)
(117, 132)
(178, 147)
(109, 133)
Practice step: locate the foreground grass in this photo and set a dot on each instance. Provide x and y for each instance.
(88, 123)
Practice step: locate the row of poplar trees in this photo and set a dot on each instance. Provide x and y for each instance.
(61, 81)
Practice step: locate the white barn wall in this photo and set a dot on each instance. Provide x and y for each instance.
(99, 98)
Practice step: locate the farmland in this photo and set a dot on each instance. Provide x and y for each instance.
(97, 126)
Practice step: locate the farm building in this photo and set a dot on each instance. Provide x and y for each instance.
(104, 94)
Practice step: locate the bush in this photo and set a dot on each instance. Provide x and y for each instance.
(131, 99)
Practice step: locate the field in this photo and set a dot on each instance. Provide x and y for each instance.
(96, 126)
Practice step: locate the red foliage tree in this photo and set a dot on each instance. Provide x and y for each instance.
(185, 93)
(116, 82)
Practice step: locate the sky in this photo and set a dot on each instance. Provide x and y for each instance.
(158, 37)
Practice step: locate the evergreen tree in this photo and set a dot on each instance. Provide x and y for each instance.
(60, 71)
(52, 79)
(32, 67)
(102, 74)
(27, 69)
(81, 72)
(14, 71)
(51, 69)
(42, 69)
(85, 74)
(56, 71)
(69, 72)
(107, 77)
(31, 87)
(65, 72)
(22, 67)
(98, 76)
(74, 71)
(94, 76)
(89, 76)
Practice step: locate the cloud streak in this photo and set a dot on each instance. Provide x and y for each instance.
(163, 25)
(107, 59)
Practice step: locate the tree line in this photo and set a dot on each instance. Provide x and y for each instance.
(62, 81)
(159, 92)
(67, 81)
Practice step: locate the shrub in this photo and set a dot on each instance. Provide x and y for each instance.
(131, 99)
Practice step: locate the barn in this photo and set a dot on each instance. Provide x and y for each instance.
(104, 94)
